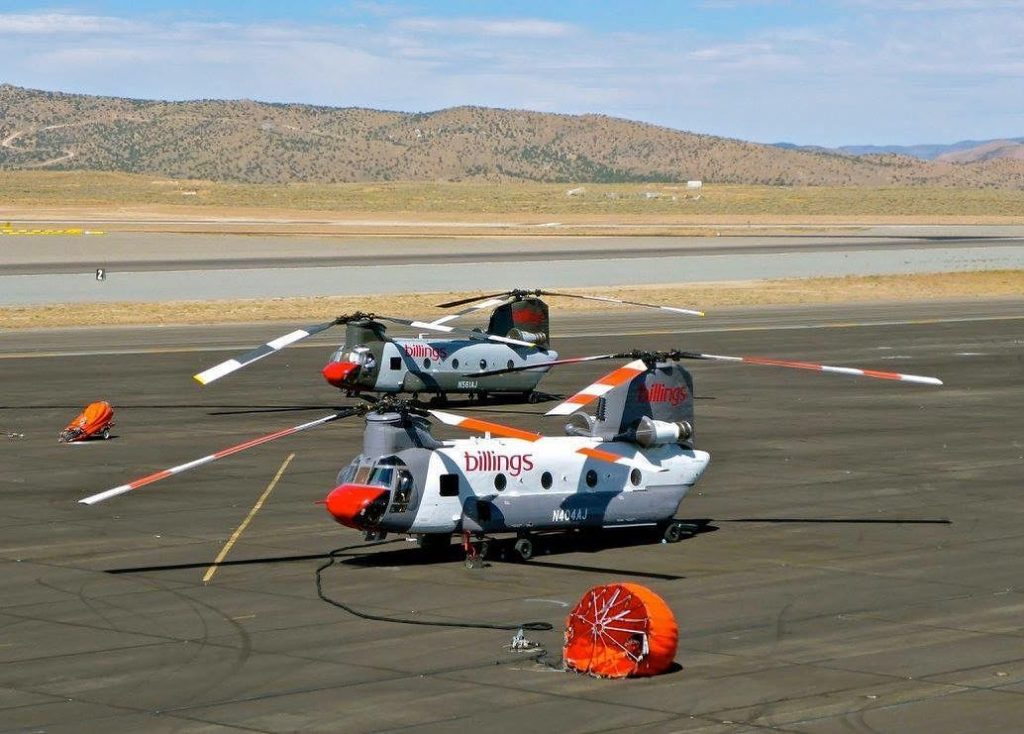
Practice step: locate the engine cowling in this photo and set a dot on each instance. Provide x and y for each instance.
(534, 337)
(650, 432)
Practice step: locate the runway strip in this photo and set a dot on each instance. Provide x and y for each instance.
(140, 268)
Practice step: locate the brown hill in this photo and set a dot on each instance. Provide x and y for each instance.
(990, 151)
(259, 142)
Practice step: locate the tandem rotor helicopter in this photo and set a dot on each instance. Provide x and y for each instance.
(629, 464)
(517, 335)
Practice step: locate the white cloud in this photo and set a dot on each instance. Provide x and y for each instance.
(520, 28)
(866, 76)
(39, 24)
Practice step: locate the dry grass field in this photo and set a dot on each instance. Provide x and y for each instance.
(992, 284)
(27, 195)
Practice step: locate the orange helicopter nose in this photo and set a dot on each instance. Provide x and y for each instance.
(350, 504)
(336, 372)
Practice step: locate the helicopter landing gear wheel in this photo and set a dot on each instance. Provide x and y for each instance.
(439, 400)
(524, 549)
(676, 530)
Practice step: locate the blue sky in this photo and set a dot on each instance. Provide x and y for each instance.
(827, 73)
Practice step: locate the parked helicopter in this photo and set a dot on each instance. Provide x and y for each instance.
(517, 335)
(630, 464)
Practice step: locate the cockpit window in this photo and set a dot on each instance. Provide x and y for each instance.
(381, 476)
(383, 473)
(359, 355)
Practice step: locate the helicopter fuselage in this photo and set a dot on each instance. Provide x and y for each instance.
(433, 365)
(495, 485)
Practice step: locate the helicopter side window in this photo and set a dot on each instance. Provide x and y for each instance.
(362, 475)
(546, 480)
(591, 478)
(500, 481)
(449, 485)
(426, 363)
(403, 492)
(483, 364)
(455, 364)
(396, 363)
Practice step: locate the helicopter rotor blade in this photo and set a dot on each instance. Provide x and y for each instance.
(478, 335)
(471, 299)
(792, 364)
(275, 345)
(492, 300)
(163, 474)
(601, 386)
(481, 426)
(610, 299)
(490, 303)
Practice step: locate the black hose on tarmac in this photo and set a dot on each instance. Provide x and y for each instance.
(333, 557)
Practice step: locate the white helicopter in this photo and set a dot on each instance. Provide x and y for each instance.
(630, 464)
(370, 361)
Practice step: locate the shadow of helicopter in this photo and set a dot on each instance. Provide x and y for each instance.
(386, 554)
(382, 553)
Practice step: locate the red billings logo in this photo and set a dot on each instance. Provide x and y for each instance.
(659, 393)
(527, 316)
(418, 349)
(515, 464)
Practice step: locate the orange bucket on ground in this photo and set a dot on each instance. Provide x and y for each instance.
(96, 419)
(619, 631)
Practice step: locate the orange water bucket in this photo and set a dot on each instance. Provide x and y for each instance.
(619, 631)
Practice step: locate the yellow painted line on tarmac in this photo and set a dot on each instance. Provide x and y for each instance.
(245, 523)
(7, 229)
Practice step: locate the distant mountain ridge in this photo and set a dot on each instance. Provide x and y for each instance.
(263, 143)
(964, 151)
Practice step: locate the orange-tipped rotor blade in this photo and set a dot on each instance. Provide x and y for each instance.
(603, 385)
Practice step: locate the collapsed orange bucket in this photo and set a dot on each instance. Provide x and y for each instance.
(95, 419)
(620, 631)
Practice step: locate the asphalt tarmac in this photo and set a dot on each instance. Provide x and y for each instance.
(150, 267)
(860, 568)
